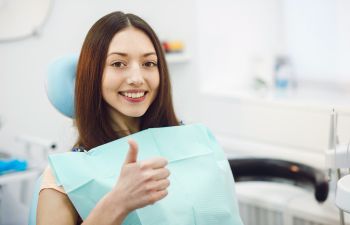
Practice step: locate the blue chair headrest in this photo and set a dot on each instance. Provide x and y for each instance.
(60, 84)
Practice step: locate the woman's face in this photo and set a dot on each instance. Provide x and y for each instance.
(130, 78)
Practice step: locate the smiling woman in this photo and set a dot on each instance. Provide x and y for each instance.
(121, 59)
(122, 86)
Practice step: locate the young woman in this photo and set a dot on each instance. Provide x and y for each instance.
(122, 86)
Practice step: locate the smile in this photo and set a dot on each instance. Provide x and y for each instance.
(134, 96)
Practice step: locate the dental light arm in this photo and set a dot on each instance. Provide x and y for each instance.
(337, 158)
(266, 169)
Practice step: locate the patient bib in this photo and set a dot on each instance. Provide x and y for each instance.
(201, 190)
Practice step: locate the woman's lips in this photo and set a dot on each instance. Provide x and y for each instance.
(134, 100)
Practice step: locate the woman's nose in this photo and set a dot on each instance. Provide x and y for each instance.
(135, 76)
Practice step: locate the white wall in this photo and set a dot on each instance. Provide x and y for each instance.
(232, 34)
(318, 34)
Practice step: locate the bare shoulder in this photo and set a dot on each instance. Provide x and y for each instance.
(55, 208)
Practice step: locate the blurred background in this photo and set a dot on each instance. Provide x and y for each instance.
(264, 76)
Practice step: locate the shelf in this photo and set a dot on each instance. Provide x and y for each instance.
(18, 176)
(306, 99)
(176, 58)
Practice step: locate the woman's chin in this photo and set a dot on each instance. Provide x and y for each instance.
(135, 113)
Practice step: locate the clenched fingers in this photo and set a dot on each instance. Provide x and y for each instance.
(156, 196)
(156, 174)
(158, 185)
(154, 163)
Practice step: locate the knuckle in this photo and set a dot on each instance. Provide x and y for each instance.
(152, 198)
(147, 187)
(142, 165)
(126, 167)
(167, 183)
(164, 193)
(146, 176)
(164, 161)
(164, 184)
(167, 172)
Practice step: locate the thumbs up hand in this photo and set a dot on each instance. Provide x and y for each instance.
(131, 157)
(140, 183)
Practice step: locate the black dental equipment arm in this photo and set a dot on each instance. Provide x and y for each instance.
(267, 169)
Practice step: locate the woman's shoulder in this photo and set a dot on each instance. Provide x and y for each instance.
(48, 180)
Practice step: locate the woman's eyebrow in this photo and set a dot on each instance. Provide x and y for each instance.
(125, 54)
(118, 53)
(148, 54)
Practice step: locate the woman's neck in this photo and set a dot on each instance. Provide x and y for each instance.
(125, 124)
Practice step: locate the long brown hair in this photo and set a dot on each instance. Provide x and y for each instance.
(91, 115)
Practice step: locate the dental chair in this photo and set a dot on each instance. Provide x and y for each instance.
(60, 90)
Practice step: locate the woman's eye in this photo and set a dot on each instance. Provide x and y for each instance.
(150, 64)
(118, 64)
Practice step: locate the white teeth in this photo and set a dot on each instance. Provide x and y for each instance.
(133, 95)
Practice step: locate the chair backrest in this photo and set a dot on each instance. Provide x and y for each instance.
(60, 82)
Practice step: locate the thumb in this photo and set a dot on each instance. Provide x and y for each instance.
(131, 157)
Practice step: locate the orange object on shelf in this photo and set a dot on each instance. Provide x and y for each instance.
(173, 46)
(165, 46)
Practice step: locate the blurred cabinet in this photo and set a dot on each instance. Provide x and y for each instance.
(291, 127)
(15, 196)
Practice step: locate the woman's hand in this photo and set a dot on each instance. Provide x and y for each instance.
(141, 183)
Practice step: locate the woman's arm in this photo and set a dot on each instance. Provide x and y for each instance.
(55, 208)
(140, 184)
(108, 211)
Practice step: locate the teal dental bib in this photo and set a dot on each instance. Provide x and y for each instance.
(201, 190)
